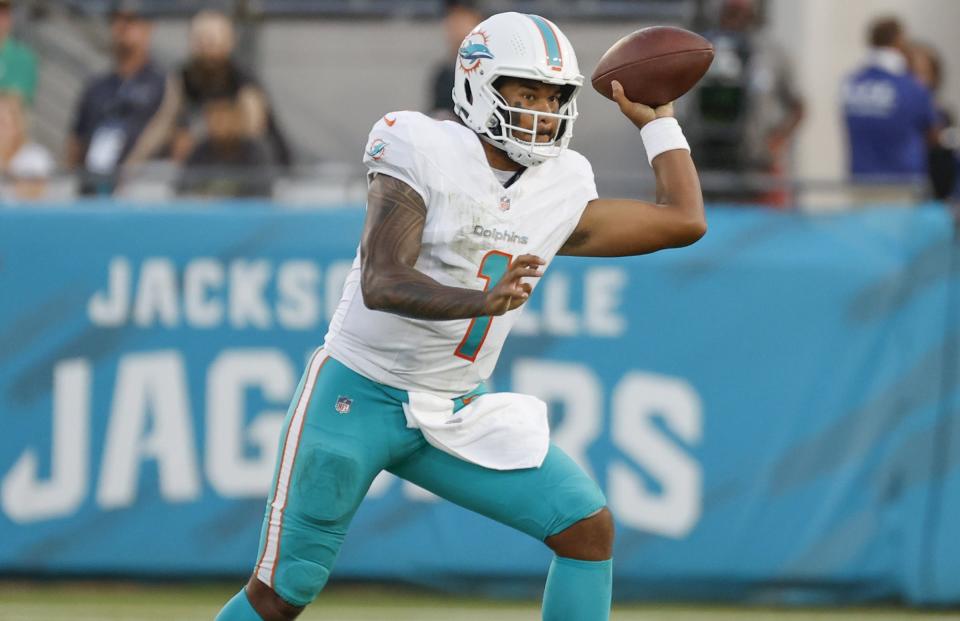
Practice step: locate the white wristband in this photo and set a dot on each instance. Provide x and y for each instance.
(663, 134)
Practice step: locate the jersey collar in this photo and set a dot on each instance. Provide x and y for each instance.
(889, 59)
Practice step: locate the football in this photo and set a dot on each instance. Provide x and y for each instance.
(655, 65)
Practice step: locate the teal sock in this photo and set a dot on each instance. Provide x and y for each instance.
(238, 608)
(578, 590)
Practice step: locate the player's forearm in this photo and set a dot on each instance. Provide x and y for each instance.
(678, 189)
(407, 292)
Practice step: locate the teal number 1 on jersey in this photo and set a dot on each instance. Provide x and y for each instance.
(494, 265)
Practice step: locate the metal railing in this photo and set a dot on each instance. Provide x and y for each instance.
(322, 184)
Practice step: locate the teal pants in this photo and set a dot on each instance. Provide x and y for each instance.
(342, 430)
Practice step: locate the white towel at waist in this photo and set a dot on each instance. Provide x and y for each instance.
(501, 430)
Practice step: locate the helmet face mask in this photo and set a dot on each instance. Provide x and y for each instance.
(506, 121)
(526, 47)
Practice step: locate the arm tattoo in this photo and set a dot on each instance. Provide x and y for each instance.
(389, 249)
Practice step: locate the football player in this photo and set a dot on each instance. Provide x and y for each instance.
(462, 220)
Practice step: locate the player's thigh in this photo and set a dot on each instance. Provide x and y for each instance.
(538, 501)
(338, 435)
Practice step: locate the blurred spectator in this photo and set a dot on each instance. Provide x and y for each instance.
(889, 114)
(228, 163)
(26, 166)
(942, 164)
(460, 19)
(18, 65)
(209, 74)
(115, 108)
(742, 116)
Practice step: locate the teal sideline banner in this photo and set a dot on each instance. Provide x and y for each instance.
(773, 413)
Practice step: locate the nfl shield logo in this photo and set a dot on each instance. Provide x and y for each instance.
(504, 203)
(343, 405)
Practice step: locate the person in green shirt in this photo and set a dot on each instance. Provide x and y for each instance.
(18, 65)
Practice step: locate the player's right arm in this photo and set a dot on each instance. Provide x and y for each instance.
(617, 227)
(389, 248)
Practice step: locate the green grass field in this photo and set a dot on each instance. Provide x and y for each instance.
(120, 602)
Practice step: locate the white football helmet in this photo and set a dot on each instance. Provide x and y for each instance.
(520, 46)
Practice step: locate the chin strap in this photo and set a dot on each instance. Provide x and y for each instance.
(524, 158)
(493, 142)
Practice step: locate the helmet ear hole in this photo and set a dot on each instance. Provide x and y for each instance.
(468, 91)
(493, 123)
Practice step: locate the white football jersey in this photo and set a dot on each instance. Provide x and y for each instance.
(474, 227)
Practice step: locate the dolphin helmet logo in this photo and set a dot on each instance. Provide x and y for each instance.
(473, 50)
(377, 148)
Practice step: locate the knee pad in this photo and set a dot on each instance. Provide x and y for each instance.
(299, 581)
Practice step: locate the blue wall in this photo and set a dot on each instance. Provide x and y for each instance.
(773, 413)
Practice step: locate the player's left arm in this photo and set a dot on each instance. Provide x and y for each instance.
(623, 227)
